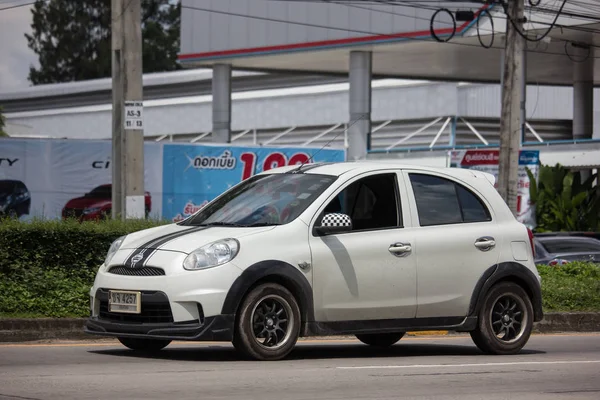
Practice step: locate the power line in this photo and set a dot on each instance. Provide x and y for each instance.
(18, 6)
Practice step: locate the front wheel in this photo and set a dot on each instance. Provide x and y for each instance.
(144, 344)
(380, 339)
(505, 321)
(268, 325)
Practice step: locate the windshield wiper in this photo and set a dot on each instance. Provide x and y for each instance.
(262, 224)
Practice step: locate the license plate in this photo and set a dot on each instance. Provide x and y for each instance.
(122, 301)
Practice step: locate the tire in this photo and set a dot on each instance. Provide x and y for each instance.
(492, 318)
(144, 344)
(278, 333)
(380, 339)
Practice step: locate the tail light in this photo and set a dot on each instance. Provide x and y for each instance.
(530, 233)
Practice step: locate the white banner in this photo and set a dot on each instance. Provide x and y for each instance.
(67, 176)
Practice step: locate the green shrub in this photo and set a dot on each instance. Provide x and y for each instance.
(48, 267)
(571, 287)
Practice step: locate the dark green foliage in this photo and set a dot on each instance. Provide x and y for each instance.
(563, 202)
(47, 267)
(73, 39)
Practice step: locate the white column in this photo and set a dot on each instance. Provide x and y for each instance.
(583, 95)
(221, 103)
(359, 130)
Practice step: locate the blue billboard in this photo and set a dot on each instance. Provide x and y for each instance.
(194, 175)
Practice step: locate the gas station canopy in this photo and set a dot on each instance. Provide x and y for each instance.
(317, 36)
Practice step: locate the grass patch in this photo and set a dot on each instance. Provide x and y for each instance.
(571, 287)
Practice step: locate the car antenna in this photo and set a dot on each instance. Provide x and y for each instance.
(297, 170)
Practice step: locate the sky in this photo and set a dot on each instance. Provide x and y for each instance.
(16, 57)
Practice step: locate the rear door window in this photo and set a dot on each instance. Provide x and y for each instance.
(441, 201)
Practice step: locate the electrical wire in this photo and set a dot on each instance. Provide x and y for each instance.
(432, 29)
(18, 6)
(587, 56)
(491, 17)
(540, 38)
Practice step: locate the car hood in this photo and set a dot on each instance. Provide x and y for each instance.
(184, 239)
(86, 202)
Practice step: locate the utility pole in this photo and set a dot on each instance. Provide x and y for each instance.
(511, 122)
(127, 111)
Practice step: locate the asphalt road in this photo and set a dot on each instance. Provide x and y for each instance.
(550, 367)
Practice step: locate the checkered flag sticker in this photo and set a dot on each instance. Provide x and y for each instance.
(336, 220)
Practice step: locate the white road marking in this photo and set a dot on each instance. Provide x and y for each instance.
(473, 365)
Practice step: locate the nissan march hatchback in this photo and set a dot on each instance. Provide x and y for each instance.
(370, 249)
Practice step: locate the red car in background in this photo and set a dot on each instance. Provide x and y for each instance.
(97, 204)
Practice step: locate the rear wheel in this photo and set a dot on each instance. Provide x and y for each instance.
(380, 339)
(144, 344)
(268, 323)
(505, 320)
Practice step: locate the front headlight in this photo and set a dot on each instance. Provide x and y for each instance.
(91, 210)
(113, 249)
(212, 255)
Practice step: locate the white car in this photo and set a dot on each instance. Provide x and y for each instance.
(372, 249)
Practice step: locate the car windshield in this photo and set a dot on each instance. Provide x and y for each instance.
(101, 191)
(263, 200)
(7, 186)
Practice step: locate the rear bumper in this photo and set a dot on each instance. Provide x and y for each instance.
(217, 328)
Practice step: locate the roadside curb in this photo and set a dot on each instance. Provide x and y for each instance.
(34, 329)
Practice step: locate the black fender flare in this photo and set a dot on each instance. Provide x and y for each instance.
(274, 271)
(508, 271)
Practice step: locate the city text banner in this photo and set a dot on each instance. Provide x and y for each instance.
(46, 177)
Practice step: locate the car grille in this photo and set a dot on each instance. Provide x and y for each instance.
(155, 309)
(144, 271)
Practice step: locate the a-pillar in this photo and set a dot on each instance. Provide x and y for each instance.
(359, 126)
(583, 95)
(221, 103)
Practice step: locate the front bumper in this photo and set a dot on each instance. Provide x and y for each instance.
(218, 328)
(175, 304)
(156, 321)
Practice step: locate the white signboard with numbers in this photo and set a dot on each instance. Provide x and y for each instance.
(134, 115)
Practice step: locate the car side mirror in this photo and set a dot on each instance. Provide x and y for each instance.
(334, 223)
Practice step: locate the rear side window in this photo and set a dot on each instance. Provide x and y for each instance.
(441, 202)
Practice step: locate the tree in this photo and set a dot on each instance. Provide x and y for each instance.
(73, 38)
(2, 124)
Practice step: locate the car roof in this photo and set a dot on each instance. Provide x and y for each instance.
(357, 167)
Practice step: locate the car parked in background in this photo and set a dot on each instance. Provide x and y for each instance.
(560, 250)
(371, 249)
(15, 199)
(97, 204)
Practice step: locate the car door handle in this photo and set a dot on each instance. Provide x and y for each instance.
(485, 243)
(400, 249)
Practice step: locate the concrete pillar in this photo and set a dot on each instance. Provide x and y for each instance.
(359, 126)
(583, 95)
(221, 103)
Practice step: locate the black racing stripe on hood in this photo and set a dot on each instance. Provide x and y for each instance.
(140, 256)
